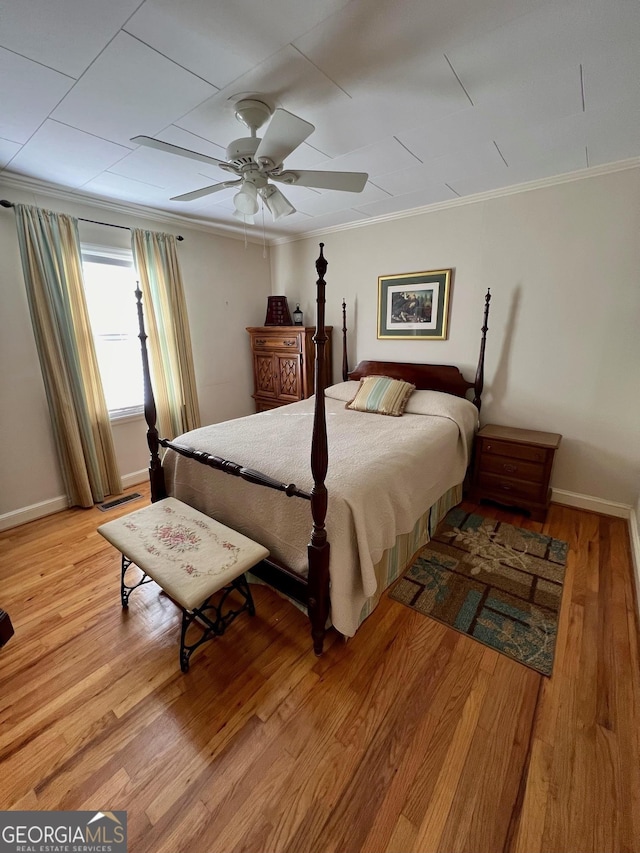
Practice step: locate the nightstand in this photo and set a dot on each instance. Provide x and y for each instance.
(513, 467)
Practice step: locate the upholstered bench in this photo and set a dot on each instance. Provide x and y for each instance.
(191, 557)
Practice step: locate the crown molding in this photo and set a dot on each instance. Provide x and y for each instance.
(32, 185)
(154, 214)
(569, 177)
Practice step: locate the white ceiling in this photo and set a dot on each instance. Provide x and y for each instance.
(435, 99)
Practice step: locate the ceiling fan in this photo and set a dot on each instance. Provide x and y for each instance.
(257, 161)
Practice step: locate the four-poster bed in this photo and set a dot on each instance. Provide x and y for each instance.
(378, 488)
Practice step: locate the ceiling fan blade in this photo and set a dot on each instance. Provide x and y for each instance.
(283, 135)
(278, 205)
(149, 142)
(214, 188)
(351, 182)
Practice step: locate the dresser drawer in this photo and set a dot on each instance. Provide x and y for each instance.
(263, 405)
(508, 466)
(271, 342)
(514, 450)
(511, 490)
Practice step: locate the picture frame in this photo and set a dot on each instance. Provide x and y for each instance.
(414, 305)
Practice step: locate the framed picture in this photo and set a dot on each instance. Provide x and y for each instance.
(414, 305)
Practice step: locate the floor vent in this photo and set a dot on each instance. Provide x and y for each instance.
(118, 501)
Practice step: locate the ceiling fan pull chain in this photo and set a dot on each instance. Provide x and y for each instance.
(264, 236)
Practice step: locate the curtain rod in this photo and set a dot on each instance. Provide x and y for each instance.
(5, 203)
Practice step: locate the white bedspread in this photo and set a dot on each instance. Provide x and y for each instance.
(384, 472)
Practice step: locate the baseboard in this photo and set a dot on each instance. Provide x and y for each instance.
(30, 513)
(136, 477)
(604, 507)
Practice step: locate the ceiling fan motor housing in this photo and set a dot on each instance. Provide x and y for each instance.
(240, 152)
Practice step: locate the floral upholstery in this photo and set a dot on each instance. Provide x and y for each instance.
(188, 554)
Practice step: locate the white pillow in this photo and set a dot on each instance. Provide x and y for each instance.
(344, 391)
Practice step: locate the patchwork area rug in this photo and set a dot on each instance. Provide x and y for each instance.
(497, 583)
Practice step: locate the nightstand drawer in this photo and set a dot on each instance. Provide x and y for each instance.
(513, 449)
(519, 469)
(511, 490)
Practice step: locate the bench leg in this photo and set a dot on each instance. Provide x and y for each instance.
(125, 589)
(213, 620)
(242, 585)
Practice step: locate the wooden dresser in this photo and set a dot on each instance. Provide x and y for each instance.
(513, 467)
(283, 364)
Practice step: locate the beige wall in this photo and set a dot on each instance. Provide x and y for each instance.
(563, 350)
(226, 289)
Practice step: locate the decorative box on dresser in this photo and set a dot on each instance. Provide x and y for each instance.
(283, 364)
(513, 467)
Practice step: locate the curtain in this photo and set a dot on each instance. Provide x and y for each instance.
(167, 327)
(50, 254)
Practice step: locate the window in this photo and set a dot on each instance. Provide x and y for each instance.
(110, 282)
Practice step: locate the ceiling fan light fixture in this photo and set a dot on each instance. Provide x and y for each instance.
(277, 203)
(244, 217)
(246, 201)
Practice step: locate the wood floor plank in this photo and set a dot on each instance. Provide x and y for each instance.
(216, 778)
(403, 838)
(487, 792)
(388, 821)
(393, 732)
(435, 820)
(531, 820)
(447, 708)
(410, 737)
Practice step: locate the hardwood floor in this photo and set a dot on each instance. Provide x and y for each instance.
(410, 737)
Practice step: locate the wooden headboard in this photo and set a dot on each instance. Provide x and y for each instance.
(426, 377)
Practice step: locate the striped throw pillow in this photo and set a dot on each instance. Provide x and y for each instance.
(382, 396)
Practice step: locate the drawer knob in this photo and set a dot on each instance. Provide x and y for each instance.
(505, 487)
(260, 341)
(488, 447)
(510, 468)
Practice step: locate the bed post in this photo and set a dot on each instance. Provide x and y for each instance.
(345, 360)
(479, 382)
(156, 474)
(318, 548)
